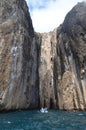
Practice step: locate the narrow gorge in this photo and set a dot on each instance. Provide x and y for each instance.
(42, 69)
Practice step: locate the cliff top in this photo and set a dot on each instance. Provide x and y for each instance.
(75, 20)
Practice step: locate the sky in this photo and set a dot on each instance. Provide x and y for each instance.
(48, 14)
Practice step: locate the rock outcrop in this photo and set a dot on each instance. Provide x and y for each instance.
(42, 70)
(71, 52)
(46, 67)
(18, 57)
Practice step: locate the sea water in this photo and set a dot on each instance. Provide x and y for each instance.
(35, 120)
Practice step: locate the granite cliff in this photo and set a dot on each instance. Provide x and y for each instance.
(42, 69)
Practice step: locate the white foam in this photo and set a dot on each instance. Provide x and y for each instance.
(43, 110)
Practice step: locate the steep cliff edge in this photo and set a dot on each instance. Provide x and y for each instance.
(18, 57)
(63, 73)
(42, 70)
(71, 59)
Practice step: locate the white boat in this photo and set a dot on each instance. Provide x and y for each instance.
(43, 110)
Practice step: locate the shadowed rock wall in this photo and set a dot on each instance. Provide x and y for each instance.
(71, 50)
(18, 57)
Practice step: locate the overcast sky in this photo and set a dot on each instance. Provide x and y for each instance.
(49, 14)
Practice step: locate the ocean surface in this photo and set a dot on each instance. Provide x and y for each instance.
(35, 120)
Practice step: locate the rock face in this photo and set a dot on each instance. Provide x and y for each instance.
(46, 67)
(18, 57)
(71, 50)
(42, 70)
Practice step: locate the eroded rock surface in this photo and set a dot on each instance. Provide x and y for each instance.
(18, 57)
(46, 67)
(42, 70)
(71, 55)
(63, 73)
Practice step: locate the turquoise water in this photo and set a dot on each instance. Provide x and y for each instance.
(34, 120)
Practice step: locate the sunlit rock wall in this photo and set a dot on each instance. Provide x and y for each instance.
(46, 67)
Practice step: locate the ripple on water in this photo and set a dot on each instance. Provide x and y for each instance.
(34, 120)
